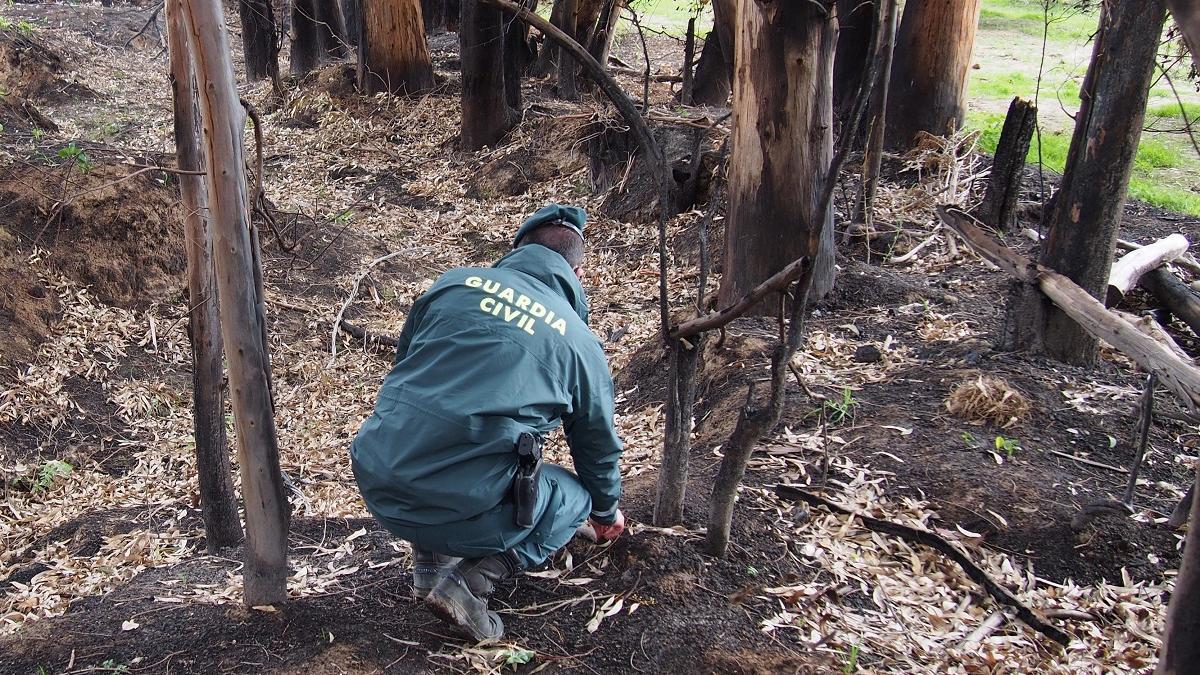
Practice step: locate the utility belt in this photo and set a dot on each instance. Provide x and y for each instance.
(525, 483)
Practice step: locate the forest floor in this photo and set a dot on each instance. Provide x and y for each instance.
(103, 566)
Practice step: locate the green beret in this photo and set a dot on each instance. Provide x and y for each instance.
(553, 214)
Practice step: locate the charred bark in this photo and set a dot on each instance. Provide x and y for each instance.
(218, 502)
(306, 52)
(1087, 208)
(486, 116)
(568, 87)
(714, 68)
(393, 55)
(856, 27)
(352, 13)
(331, 30)
(436, 16)
(265, 569)
(999, 207)
(258, 39)
(877, 115)
(782, 142)
(933, 57)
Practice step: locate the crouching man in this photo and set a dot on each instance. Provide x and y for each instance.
(490, 360)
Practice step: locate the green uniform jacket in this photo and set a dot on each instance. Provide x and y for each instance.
(484, 355)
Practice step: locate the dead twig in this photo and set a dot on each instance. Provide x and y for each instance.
(337, 321)
(976, 573)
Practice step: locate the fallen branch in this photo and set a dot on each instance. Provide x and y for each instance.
(1185, 261)
(1175, 296)
(1182, 378)
(976, 573)
(375, 342)
(656, 77)
(1129, 268)
(776, 282)
(337, 321)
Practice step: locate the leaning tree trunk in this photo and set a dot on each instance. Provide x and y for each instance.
(1181, 643)
(393, 55)
(929, 76)
(258, 39)
(1087, 208)
(876, 120)
(265, 570)
(714, 69)
(856, 27)
(782, 146)
(486, 116)
(218, 503)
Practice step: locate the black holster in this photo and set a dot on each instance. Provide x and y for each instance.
(525, 484)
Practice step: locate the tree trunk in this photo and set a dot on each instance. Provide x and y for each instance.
(518, 55)
(568, 88)
(1181, 642)
(218, 503)
(999, 207)
(877, 115)
(677, 440)
(486, 116)
(1187, 17)
(856, 27)
(352, 13)
(453, 13)
(547, 60)
(258, 39)
(331, 28)
(714, 69)
(782, 145)
(689, 56)
(393, 55)
(601, 41)
(435, 16)
(1087, 208)
(1174, 296)
(306, 37)
(933, 56)
(265, 570)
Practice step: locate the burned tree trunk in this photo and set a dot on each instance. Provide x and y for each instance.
(486, 116)
(331, 29)
(877, 115)
(547, 60)
(1181, 643)
(518, 55)
(306, 52)
(352, 13)
(1087, 208)
(999, 207)
(782, 142)
(393, 55)
(933, 56)
(218, 503)
(258, 39)
(265, 570)
(435, 15)
(606, 28)
(856, 28)
(714, 68)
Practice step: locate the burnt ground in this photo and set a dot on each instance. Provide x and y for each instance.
(694, 612)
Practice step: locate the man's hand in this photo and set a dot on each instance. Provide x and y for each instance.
(600, 533)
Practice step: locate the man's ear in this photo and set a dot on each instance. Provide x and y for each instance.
(578, 272)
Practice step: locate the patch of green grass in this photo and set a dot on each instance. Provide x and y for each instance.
(670, 16)
(1154, 191)
(1149, 182)
(1001, 85)
(1172, 111)
(1067, 24)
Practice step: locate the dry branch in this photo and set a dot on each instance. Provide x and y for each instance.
(776, 282)
(976, 573)
(1180, 377)
(1186, 261)
(1175, 296)
(1133, 265)
(337, 321)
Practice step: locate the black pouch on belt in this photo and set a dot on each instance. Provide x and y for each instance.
(525, 484)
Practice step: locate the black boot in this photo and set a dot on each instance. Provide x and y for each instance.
(461, 598)
(429, 569)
